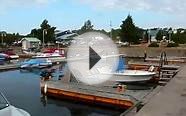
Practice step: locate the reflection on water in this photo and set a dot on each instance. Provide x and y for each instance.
(22, 89)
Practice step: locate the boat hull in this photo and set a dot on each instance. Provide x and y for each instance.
(13, 111)
(129, 75)
(133, 76)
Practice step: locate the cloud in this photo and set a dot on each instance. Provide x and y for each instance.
(163, 6)
(8, 4)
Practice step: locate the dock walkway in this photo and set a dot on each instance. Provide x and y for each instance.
(86, 93)
(170, 101)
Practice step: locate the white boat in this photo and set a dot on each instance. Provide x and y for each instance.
(124, 75)
(133, 76)
(14, 56)
(6, 109)
(53, 53)
(47, 55)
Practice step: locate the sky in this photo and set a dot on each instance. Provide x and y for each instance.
(23, 15)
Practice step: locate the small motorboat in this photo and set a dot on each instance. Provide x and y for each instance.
(36, 63)
(10, 54)
(124, 75)
(133, 76)
(50, 53)
(4, 57)
(6, 109)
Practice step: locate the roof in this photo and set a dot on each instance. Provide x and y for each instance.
(67, 36)
(31, 39)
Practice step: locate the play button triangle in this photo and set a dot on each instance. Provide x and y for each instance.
(93, 58)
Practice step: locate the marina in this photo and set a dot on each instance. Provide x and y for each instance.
(65, 92)
(26, 95)
(92, 58)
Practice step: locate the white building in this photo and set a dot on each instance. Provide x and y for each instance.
(30, 42)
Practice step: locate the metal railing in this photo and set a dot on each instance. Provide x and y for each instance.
(3, 101)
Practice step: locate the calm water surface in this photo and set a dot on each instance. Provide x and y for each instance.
(22, 89)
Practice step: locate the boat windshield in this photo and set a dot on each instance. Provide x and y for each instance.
(33, 61)
(3, 102)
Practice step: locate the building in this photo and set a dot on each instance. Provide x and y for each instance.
(65, 36)
(152, 33)
(30, 43)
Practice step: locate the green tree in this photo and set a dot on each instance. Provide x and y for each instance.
(159, 35)
(115, 33)
(146, 36)
(128, 31)
(86, 27)
(49, 36)
(179, 37)
(9, 38)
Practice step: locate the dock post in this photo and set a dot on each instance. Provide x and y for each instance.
(45, 88)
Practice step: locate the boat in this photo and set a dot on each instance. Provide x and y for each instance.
(50, 53)
(11, 54)
(6, 109)
(121, 74)
(133, 76)
(4, 57)
(36, 63)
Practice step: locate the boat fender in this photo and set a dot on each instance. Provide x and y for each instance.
(45, 88)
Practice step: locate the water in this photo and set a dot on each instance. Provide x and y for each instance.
(22, 89)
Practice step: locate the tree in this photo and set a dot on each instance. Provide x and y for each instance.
(128, 31)
(159, 35)
(49, 36)
(146, 36)
(86, 27)
(179, 37)
(9, 38)
(115, 33)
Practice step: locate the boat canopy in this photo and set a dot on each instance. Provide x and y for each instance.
(121, 65)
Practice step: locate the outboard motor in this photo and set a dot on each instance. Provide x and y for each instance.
(46, 75)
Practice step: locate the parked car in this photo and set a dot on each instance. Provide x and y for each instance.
(122, 44)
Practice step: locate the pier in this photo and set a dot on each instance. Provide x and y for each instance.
(169, 100)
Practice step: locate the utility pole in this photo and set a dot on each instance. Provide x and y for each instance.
(111, 29)
(44, 32)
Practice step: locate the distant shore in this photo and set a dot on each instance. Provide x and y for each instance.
(153, 51)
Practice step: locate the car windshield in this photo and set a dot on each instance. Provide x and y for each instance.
(3, 102)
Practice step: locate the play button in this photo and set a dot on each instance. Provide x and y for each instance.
(89, 55)
(93, 58)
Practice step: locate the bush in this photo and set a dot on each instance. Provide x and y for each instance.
(172, 45)
(154, 44)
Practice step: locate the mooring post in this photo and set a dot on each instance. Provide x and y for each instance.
(45, 88)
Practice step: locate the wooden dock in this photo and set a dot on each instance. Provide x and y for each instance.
(170, 100)
(87, 94)
(170, 61)
(8, 67)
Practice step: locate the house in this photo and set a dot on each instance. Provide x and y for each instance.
(30, 43)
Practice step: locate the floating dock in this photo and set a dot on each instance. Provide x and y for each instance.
(8, 67)
(88, 94)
